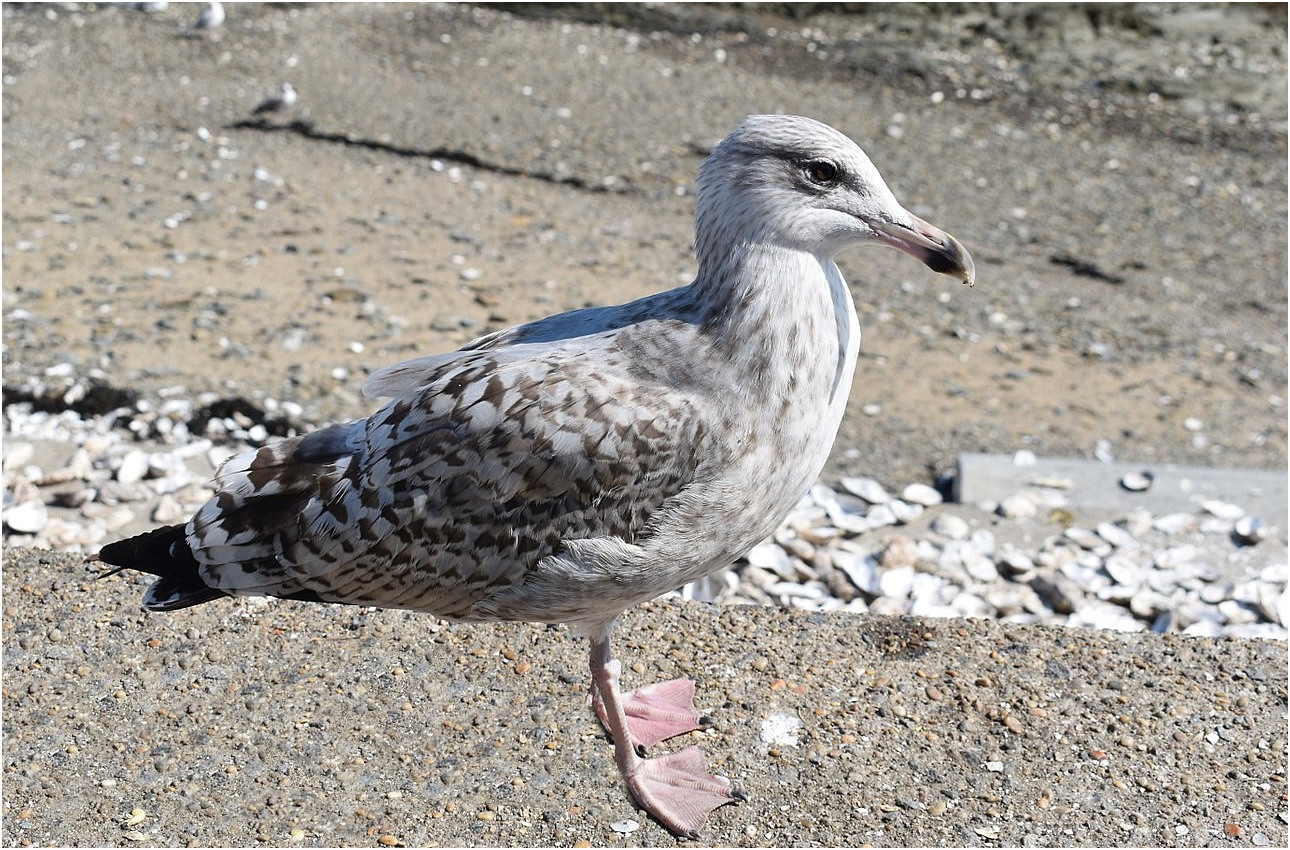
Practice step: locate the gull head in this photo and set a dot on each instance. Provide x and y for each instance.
(795, 183)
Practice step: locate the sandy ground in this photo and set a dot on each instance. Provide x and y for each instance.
(1119, 176)
(1131, 246)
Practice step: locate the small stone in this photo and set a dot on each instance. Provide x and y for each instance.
(1223, 510)
(921, 494)
(1212, 525)
(1215, 593)
(625, 827)
(27, 518)
(982, 540)
(1057, 592)
(1117, 536)
(1014, 562)
(798, 547)
(1017, 506)
(168, 511)
(881, 516)
(1276, 574)
(1274, 605)
(134, 466)
(901, 551)
(1101, 615)
(1173, 557)
(903, 511)
(770, 556)
(17, 455)
(951, 526)
(1235, 612)
(1175, 523)
(1137, 482)
(1249, 530)
(862, 570)
(1086, 539)
(1137, 522)
(868, 489)
(897, 583)
(980, 568)
(1124, 570)
(1149, 605)
(842, 508)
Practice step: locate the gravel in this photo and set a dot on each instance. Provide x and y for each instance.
(179, 281)
(255, 721)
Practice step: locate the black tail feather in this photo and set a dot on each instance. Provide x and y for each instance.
(163, 552)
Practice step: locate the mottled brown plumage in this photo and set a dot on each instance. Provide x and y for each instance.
(564, 470)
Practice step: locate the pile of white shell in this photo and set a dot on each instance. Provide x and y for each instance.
(862, 549)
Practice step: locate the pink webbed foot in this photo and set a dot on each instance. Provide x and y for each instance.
(675, 789)
(655, 712)
(678, 790)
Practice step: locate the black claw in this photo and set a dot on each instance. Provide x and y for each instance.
(707, 720)
(739, 794)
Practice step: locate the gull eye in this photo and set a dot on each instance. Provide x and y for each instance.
(821, 172)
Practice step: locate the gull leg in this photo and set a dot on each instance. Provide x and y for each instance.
(676, 788)
(654, 712)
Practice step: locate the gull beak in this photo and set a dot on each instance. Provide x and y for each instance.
(938, 250)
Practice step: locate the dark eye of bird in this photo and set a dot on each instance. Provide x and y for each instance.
(822, 172)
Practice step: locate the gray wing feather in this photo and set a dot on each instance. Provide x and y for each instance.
(456, 490)
(523, 342)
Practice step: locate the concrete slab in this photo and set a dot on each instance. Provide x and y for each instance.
(988, 477)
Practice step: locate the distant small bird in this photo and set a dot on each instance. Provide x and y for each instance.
(210, 18)
(280, 101)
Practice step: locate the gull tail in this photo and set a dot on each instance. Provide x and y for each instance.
(164, 552)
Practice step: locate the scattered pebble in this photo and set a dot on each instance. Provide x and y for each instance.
(951, 527)
(921, 494)
(781, 729)
(1137, 482)
(1249, 530)
(27, 518)
(1018, 506)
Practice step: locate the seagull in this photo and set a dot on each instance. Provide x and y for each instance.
(209, 19)
(565, 470)
(280, 101)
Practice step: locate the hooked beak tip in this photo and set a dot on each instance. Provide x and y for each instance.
(938, 250)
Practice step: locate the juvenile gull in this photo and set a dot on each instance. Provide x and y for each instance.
(208, 20)
(281, 100)
(567, 469)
